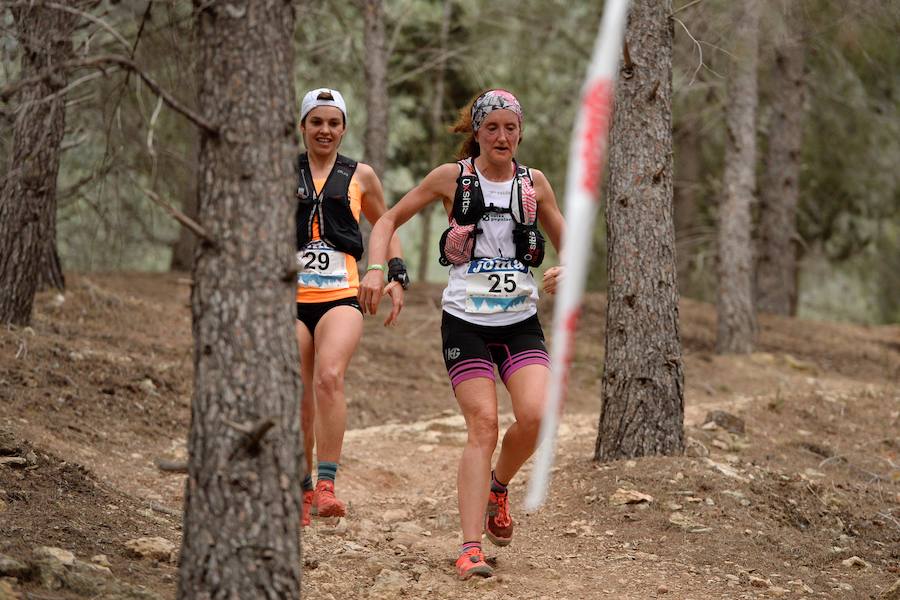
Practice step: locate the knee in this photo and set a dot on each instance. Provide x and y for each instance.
(484, 431)
(530, 423)
(329, 381)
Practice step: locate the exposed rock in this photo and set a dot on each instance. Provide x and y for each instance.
(10, 567)
(7, 592)
(892, 593)
(695, 449)
(725, 420)
(8, 443)
(395, 514)
(759, 582)
(855, 561)
(63, 556)
(686, 523)
(13, 461)
(154, 548)
(622, 497)
(388, 585)
(726, 470)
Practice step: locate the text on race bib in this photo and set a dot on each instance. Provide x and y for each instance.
(497, 285)
(322, 267)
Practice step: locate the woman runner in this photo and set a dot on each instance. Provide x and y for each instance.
(331, 192)
(489, 305)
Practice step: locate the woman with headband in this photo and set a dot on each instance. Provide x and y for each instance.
(332, 191)
(489, 305)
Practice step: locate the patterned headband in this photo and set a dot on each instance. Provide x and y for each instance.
(491, 101)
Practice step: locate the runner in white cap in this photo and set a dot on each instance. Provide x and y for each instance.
(332, 190)
(489, 306)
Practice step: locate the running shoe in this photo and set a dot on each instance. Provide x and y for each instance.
(498, 525)
(326, 504)
(471, 562)
(308, 496)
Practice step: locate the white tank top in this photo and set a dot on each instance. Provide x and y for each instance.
(494, 288)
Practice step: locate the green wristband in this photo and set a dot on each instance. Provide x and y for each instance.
(378, 267)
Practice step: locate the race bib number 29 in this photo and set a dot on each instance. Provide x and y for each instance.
(321, 266)
(497, 285)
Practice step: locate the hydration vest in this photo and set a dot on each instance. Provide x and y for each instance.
(337, 225)
(457, 244)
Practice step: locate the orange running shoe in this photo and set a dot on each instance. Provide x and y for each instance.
(471, 562)
(498, 525)
(326, 504)
(308, 496)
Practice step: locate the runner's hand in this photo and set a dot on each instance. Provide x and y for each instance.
(396, 292)
(370, 291)
(552, 277)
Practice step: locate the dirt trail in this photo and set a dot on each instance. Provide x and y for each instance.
(100, 388)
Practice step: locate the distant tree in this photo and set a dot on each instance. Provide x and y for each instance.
(643, 379)
(736, 316)
(242, 497)
(28, 192)
(435, 132)
(776, 267)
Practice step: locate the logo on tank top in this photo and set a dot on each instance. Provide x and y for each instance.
(452, 353)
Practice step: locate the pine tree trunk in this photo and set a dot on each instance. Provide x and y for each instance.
(242, 498)
(375, 138)
(186, 244)
(437, 102)
(736, 316)
(28, 193)
(780, 190)
(643, 379)
(688, 174)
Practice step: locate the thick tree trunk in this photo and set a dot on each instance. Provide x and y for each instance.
(643, 378)
(736, 316)
(780, 190)
(51, 276)
(28, 192)
(184, 248)
(688, 173)
(375, 138)
(242, 498)
(186, 245)
(434, 146)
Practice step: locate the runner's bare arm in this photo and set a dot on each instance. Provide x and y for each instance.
(437, 185)
(554, 225)
(373, 207)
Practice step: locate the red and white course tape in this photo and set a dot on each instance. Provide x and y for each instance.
(587, 154)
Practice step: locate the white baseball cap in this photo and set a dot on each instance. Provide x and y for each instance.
(312, 100)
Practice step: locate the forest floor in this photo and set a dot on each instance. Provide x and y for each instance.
(805, 503)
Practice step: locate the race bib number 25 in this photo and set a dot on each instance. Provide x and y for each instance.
(321, 266)
(497, 285)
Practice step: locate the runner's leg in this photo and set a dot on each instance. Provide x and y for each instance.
(307, 401)
(477, 399)
(527, 391)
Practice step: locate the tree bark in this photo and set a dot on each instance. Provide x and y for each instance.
(186, 244)
(242, 498)
(736, 316)
(688, 174)
(434, 146)
(28, 192)
(780, 190)
(375, 137)
(643, 379)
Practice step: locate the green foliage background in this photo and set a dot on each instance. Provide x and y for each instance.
(120, 140)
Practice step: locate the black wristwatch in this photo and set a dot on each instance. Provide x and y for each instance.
(397, 272)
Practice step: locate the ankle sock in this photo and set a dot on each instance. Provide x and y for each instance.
(307, 483)
(466, 546)
(496, 486)
(327, 471)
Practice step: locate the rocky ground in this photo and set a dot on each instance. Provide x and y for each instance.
(790, 486)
